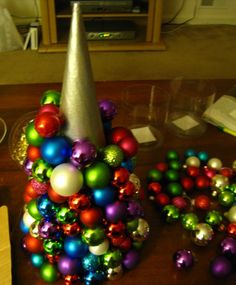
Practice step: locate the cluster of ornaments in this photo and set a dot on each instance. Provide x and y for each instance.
(83, 220)
(199, 193)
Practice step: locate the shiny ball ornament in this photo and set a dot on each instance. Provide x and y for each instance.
(203, 156)
(179, 202)
(154, 188)
(213, 218)
(79, 202)
(107, 109)
(209, 172)
(126, 191)
(134, 209)
(56, 198)
(23, 227)
(114, 273)
(47, 124)
(129, 164)
(220, 267)
(131, 259)
(202, 182)
(55, 150)
(154, 175)
(142, 231)
(32, 136)
(231, 214)
(129, 146)
(133, 178)
(66, 179)
(33, 153)
(37, 259)
(172, 155)
(27, 165)
(75, 247)
(97, 175)
(226, 171)
(91, 262)
(231, 230)
(70, 279)
(119, 133)
(53, 247)
(228, 247)
(112, 155)
(71, 229)
(226, 198)
(172, 175)
(202, 234)
(48, 229)
(66, 216)
(34, 229)
(187, 183)
(193, 161)
(112, 258)
(219, 181)
(32, 244)
(116, 211)
(33, 209)
(28, 220)
(46, 207)
(50, 97)
(116, 230)
(49, 108)
(202, 202)
(93, 236)
(162, 199)
(68, 266)
(193, 171)
(49, 273)
(215, 163)
(120, 176)
(103, 197)
(174, 189)
(189, 221)
(100, 249)
(83, 153)
(41, 170)
(162, 166)
(170, 213)
(91, 217)
(183, 258)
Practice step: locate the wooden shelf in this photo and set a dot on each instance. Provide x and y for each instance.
(56, 22)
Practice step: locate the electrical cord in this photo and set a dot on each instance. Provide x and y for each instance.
(4, 129)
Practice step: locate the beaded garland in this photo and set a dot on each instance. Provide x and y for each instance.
(83, 220)
(199, 192)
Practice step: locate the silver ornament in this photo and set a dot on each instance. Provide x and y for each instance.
(114, 273)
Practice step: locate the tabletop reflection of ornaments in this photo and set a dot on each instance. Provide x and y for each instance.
(199, 192)
(83, 218)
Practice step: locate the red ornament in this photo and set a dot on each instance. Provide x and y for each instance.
(129, 146)
(120, 176)
(52, 258)
(79, 202)
(124, 243)
(231, 230)
(33, 153)
(193, 171)
(154, 188)
(227, 172)
(162, 166)
(187, 183)
(202, 202)
(70, 279)
(126, 191)
(56, 197)
(47, 124)
(115, 230)
(49, 108)
(91, 217)
(162, 199)
(30, 191)
(179, 202)
(27, 198)
(209, 172)
(71, 229)
(118, 133)
(202, 182)
(32, 244)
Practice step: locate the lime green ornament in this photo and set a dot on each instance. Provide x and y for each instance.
(174, 189)
(213, 218)
(132, 225)
(93, 237)
(49, 273)
(32, 136)
(97, 175)
(175, 164)
(232, 188)
(112, 258)
(170, 213)
(41, 170)
(34, 229)
(51, 97)
(53, 247)
(112, 155)
(33, 209)
(66, 215)
(226, 198)
(172, 155)
(189, 221)
(172, 175)
(154, 175)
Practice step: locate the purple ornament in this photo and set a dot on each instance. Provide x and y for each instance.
(83, 153)
(68, 266)
(107, 110)
(116, 211)
(228, 247)
(28, 166)
(221, 267)
(47, 229)
(39, 187)
(131, 259)
(183, 258)
(134, 209)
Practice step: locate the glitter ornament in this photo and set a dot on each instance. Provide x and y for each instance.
(183, 258)
(112, 155)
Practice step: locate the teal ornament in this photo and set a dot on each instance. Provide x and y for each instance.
(51, 97)
(213, 218)
(154, 175)
(37, 259)
(91, 262)
(41, 170)
(190, 152)
(203, 156)
(226, 198)
(74, 247)
(170, 213)
(202, 234)
(112, 258)
(105, 196)
(32, 136)
(94, 236)
(53, 247)
(189, 221)
(112, 155)
(174, 189)
(172, 175)
(66, 215)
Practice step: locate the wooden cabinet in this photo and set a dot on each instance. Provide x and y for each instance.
(56, 23)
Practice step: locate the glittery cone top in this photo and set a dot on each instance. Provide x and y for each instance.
(78, 101)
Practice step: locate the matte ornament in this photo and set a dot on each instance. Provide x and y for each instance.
(183, 258)
(221, 267)
(129, 146)
(68, 266)
(116, 211)
(107, 109)
(103, 197)
(75, 247)
(33, 152)
(48, 272)
(231, 214)
(91, 217)
(202, 202)
(97, 175)
(193, 161)
(37, 259)
(100, 249)
(131, 259)
(215, 163)
(32, 244)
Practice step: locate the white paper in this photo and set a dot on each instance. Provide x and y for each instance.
(143, 135)
(185, 123)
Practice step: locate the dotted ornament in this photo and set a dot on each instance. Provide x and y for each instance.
(83, 220)
(199, 192)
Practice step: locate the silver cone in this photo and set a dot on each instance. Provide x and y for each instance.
(78, 99)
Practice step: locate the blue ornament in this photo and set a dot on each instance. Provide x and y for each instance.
(129, 164)
(203, 156)
(37, 259)
(91, 262)
(46, 207)
(23, 227)
(104, 196)
(56, 150)
(75, 247)
(190, 152)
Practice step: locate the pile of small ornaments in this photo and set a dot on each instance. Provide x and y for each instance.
(83, 221)
(200, 193)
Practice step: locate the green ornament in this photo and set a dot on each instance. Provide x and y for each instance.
(154, 175)
(213, 218)
(53, 247)
(33, 209)
(137, 244)
(142, 231)
(51, 97)
(189, 221)
(41, 170)
(172, 155)
(132, 225)
(97, 175)
(226, 198)
(112, 258)
(232, 188)
(112, 155)
(93, 237)
(174, 189)
(66, 215)
(170, 213)
(49, 273)
(172, 175)
(32, 136)
(175, 164)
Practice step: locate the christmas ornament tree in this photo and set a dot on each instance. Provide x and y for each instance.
(82, 219)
